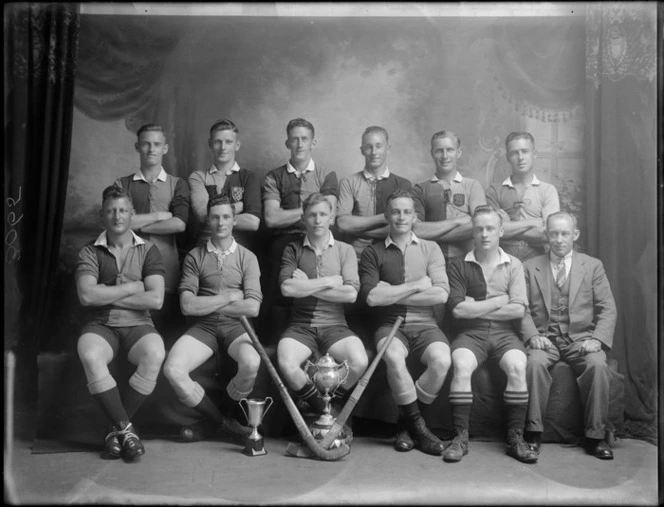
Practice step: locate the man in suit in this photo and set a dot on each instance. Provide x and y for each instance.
(571, 318)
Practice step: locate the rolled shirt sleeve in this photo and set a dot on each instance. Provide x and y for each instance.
(180, 202)
(251, 274)
(346, 201)
(288, 263)
(516, 288)
(369, 271)
(251, 200)
(330, 184)
(190, 274)
(270, 191)
(436, 267)
(87, 263)
(349, 270)
(457, 282)
(198, 195)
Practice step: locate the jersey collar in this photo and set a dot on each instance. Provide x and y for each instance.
(504, 258)
(508, 181)
(102, 239)
(213, 169)
(138, 175)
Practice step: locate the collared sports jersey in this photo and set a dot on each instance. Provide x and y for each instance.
(338, 258)
(436, 200)
(363, 196)
(291, 189)
(143, 259)
(384, 261)
(539, 200)
(202, 277)
(467, 279)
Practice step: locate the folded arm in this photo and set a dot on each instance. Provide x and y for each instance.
(351, 224)
(152, 298)
(92, 293)
(471, 309)
(385, 294)
(197, 306)
(277, 218)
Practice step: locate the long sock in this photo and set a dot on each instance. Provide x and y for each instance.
(139, 389)
(461, 402)
(411, 411)
(517, 403)
(105, 391)
(311, 395)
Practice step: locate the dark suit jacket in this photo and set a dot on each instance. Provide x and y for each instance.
(592, 309)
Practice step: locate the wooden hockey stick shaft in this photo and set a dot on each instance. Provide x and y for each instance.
(361, 385)
(313, 444)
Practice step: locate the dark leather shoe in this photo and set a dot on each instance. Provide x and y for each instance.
(518, 448)
(599, 448)
(458, 447)
(404, 442)
(424, 440)
(132, 448)
(533, 439)
(112, 446)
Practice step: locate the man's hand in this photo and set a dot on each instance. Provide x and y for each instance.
(335, 281)
(501, 300)
(163, 215)
(503, 213)
(235, 294)
(383, 283)
(298, 274)
(591, 345)
(463, 219)
(239, 206)
(424, 283)
(540, 343)
(468, 299)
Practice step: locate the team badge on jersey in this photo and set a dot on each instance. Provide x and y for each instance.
(237, 193)
(458, 199)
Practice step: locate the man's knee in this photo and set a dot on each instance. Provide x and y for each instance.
(515, 367)
(394, 357)
(439, 362)
(596, 365)
(358, 360)
(250, 362)
(174, 371)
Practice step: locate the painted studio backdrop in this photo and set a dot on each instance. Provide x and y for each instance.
(584, 85)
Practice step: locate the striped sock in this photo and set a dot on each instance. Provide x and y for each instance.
(461, 402)
(517, 403)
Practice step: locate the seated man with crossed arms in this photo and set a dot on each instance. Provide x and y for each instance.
(320, 273)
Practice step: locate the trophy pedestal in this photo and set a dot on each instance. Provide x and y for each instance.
(254, 447)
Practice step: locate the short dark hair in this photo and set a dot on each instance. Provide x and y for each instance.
(562, 214)
(487, 209)
(400, 192)
(115, 192)
(299, 122)
(375, 129)
(150, 127)
(223, 124)
(219, 200)
(446, 134)
(312, 200)
(519, 135)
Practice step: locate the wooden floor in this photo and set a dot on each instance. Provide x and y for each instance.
(216, 472)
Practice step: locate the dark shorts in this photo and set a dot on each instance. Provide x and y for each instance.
(488, 340)
(318, 338)
(210, 333)
(116, 336)
(416, 337)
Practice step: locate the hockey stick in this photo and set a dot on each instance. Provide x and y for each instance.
(343, 416)
(319, 451)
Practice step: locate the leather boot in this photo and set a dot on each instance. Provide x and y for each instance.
(403, 441)
(518, 448)
(424, 440)
(457, 448)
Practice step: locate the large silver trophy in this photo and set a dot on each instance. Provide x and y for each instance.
(326, 375)
(255, 412)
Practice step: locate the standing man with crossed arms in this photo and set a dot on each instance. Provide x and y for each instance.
(120, 277)
(524, 201)
(405, 276)
(220, 283)
(487, 296)
(571, 318)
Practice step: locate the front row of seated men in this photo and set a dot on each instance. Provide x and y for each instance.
(526, 317)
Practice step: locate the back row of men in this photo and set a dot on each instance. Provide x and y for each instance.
(560, 307)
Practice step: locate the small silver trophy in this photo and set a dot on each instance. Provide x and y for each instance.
(326, 375)
(255, 413)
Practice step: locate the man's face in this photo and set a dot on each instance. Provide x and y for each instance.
(116, 215)
(300, 142)
(521, 155)
(561, 235)
(151, 146)
(224, 144)
(317, 220)
(221, 221)
(487, 231)
(374, 150)
(445, 154)
(400, 215)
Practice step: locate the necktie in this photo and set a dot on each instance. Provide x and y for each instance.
(560, 275)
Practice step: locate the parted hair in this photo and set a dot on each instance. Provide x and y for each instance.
(561, 214)
(312, 200)
(519, 135)
(487, 209)
(446, 134)
(218, 200)
(223, 124)
(400, 192)
(114, 192)
(150, 127)
(375, 129)
(299, 122)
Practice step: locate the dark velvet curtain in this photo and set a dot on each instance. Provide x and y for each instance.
(123, 73)
(621, 169)
(41, 42)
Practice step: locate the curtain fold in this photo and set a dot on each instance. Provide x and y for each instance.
(621, 165)
(41, 42)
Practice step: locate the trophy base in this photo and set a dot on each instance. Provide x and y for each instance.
(254, 447)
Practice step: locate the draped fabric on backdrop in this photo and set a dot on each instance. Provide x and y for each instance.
(621, 172)
(121, 75)
(41, 42)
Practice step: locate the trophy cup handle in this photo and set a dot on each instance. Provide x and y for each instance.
(345, 365)
(268, 405)
(243, 410)
(308, 366)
